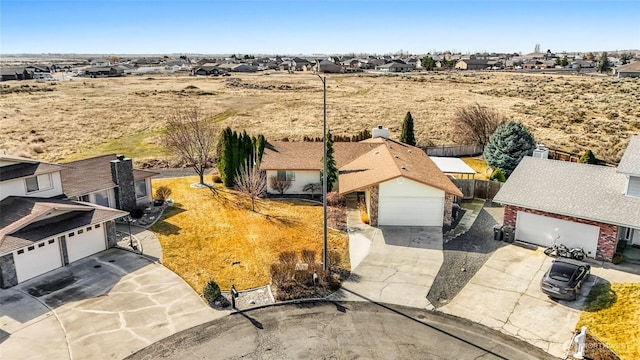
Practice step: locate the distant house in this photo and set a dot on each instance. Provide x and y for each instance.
(207, 69)
(628, 70)
(327, 66)
(106, 71)
(114, 182)
(399, 183)
(14, 73)
(395, 67)
(41, 231)
(472, 64)
(300, 64)
(237, 67)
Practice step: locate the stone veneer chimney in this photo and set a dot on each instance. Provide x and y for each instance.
(122, 175)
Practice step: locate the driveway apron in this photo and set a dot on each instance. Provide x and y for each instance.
(398, 269)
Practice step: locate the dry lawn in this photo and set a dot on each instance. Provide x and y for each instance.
(207, 238)
(480, 166)
(612, 314)
(66, 120)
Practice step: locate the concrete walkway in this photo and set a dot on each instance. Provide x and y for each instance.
(394, 265)
(472, 209)
(146, 241)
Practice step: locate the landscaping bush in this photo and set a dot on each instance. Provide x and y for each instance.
(217, 179)
(308, 257)
(163, 192)
(335, 199)
(288, 258)
(137, 212)
(211, 291)
(498, 175)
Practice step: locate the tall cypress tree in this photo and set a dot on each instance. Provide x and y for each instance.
(332, 169)
(406, 135)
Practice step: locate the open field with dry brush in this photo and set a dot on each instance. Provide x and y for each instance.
(65, 120)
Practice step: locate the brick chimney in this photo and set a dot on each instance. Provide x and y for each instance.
(122, 175)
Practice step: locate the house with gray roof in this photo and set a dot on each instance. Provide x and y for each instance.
(40, 229)
(593, 207)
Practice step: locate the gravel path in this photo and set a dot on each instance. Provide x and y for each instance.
(465, 255)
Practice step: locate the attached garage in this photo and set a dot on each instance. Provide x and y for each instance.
(406, 202)
(85, 242)
(37, 259)
(542, 230)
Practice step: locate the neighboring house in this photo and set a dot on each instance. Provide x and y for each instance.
(400, 184)
(107, 71)
(39, 230)
(326, 66)
(628, 70)
(237, 67)
(207, 69)
(472, 64)
(453, 166)
(395, 67)
(114, 182)
(11, 73)
(593, 207)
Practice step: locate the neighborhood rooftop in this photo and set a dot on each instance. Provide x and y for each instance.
(22, 167)
(584, 191)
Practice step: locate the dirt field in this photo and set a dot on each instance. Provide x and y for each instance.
(66, 120)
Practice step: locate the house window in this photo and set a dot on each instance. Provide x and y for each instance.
(84, 198)
(31, 248)
(41, 244)
(141, 188)
(627, 234)
(52, 241)
(71, 234)
(97, 226)
(21, 251)
(286, 175)
(102, 198)
(89, 228)
(38, 183)
(80, 231)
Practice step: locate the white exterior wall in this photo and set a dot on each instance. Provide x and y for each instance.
(18, 187)
(38, 260)
(145, 199)
(302, 178)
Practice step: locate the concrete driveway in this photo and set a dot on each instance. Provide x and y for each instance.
(505, 295)
(397, 266)
(107, 306)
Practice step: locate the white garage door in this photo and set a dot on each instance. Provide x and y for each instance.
(410, 211)
(37, 259)
(542, 230)
(85, 242)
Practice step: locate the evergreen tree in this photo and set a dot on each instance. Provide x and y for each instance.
(507, 146)
(588, 158)
(604, 64)
(428, 63)
(406, 135)
(332, 169)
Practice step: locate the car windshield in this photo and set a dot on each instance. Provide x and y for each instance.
(561, 271)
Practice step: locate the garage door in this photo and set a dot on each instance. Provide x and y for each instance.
(410, 211)
(85, 242)
(37, 259)
(542, 230)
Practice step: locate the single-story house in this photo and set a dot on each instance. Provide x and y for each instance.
(114, 182)
(14, 73)
(395, 67)
(327, 66)
(107, 71)
(593, 207)
(628, 70)
(207, 69)
(400, 184)
(472, 64)
(41, 231)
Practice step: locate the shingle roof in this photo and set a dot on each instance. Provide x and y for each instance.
(632, 67)
(630, 162)
(93, 174)
(25, 167)
(388, 160)
(283, 155)
(28, 219)
(584, 191)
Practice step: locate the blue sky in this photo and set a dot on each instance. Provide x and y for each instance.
(315, 27)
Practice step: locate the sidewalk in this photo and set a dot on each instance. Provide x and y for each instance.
(145, 241)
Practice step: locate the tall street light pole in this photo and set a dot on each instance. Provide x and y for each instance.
(325, 263)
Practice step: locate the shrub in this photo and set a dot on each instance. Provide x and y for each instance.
(333, 258)
(498, 175)
(335, 199)
(163, 192)
(588, 158)
(288, 258)
(137, 212)
(364, 217)
(308, 256)
(217, 179)
(211, 291)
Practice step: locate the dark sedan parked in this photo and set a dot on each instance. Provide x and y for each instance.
(564, 279)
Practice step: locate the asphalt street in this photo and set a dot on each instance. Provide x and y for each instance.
(340, 330)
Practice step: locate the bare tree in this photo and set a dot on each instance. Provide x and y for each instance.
(475, 123)
(313, 188)
(192, 137)
(252, 182)
(279, 185)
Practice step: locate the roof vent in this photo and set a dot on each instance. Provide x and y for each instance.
(396, 156)
(409, 151)
(376, 152)
(403, 167)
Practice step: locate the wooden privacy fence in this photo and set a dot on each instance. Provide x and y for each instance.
(480, 189)
(453, 150)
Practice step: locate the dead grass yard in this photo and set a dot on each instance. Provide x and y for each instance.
(205, 238)
(612, 315)
(66, 120)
